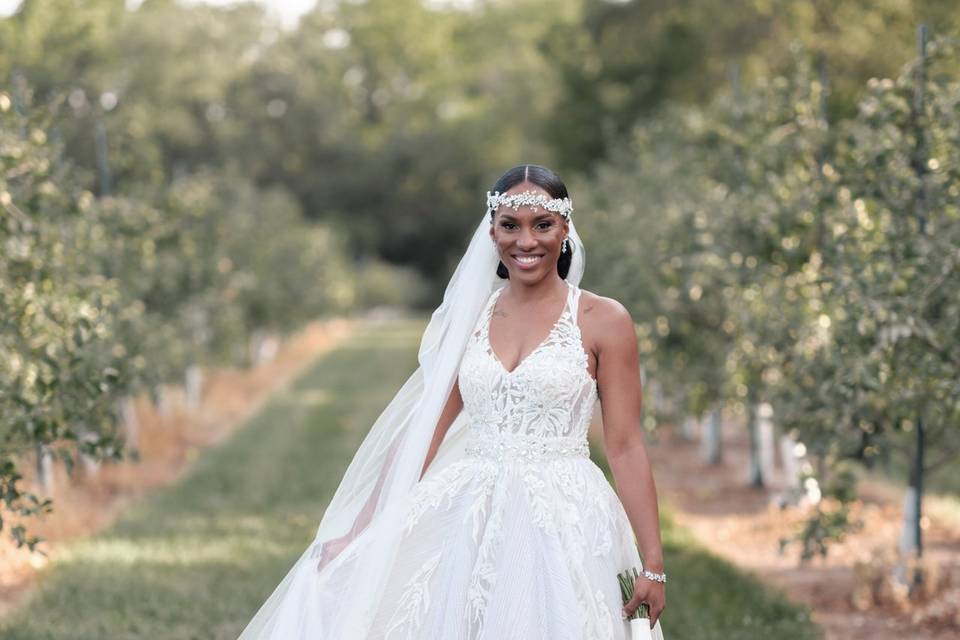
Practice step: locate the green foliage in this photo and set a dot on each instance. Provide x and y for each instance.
(894, 275)
(59, 366)
(104, 296)
(366, 106)
(776, 257)
(619, 63)
(358, 113)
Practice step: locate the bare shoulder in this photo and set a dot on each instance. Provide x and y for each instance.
(606, 319)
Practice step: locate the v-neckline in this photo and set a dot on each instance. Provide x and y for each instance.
(523, 360)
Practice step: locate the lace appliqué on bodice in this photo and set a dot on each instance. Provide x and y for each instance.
(549, 393)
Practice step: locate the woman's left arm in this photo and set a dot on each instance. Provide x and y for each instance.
(618, 381)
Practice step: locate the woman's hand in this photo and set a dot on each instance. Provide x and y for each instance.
(332, 548)
(651, 592)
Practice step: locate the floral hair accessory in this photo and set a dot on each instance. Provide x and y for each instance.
(562, 206)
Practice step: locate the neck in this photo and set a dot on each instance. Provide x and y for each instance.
(537, 292)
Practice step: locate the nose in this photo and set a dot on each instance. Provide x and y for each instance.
(526, 240)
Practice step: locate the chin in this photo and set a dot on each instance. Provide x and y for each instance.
(532, 275)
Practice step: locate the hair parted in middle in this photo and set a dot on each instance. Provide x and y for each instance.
(549, 182)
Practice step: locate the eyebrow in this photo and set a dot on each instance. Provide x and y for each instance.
(539, 216)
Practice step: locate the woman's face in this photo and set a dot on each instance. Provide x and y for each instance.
(528, 238)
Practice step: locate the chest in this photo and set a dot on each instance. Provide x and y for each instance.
(557, 367)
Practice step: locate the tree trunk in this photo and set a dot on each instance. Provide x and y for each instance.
(44, 462)
(911, 534)
(760, 425)
(193, 386)
(689, 428)
(791, 452)
(263, 347)
(127, 412)
(712, 443)
(91, 466)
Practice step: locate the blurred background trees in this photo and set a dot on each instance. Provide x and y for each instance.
(769, 186)
(793, 263)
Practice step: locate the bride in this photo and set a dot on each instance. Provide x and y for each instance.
(471, 509)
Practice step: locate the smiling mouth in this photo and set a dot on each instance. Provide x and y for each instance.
(527, 260)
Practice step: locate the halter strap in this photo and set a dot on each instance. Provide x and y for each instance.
(575, 303)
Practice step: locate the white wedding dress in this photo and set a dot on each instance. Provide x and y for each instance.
(522, 537)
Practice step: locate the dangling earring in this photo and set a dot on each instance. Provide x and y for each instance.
(563, 247)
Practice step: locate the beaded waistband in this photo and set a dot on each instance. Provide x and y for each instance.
(483, 442)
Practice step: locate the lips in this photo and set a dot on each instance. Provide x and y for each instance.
(525, 261)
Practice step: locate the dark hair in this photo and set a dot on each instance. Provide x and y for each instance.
(549, 182)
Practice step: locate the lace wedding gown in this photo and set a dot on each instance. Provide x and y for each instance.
(522, 537)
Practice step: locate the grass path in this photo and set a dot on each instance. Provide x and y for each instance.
(195, 560)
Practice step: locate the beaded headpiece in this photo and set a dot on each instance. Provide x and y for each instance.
(562, 206)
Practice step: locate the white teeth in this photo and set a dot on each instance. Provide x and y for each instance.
(526, 260)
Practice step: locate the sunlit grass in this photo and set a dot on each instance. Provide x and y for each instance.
(196, 560)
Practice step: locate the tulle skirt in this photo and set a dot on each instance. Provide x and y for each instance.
(491, 549)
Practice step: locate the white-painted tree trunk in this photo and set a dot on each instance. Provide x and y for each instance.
(712, 442)
(44, 467)
(130, 423)
(908, 544)
(768, 444)
(263, 347)
(761, 449)
(908, 533)
(690, 428)
(791, 453)
(193, 386)
(91, 466)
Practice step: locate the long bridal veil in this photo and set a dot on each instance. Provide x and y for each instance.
(335, 602)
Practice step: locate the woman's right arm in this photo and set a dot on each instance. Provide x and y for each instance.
(333, 547)
(447, 416)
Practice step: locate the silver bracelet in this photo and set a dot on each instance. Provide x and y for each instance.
(657, 577)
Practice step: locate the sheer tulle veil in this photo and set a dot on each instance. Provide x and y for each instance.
(337, 599)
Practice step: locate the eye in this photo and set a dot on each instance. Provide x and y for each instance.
(507, 225)
(546, 224)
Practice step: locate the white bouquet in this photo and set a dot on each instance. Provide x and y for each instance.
(639, 619)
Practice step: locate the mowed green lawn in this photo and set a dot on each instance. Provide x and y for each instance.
(196, 560)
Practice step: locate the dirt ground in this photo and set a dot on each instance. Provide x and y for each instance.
(169, 440)
(743, 525)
